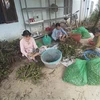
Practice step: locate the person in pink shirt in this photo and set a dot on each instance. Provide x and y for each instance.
(28, 46)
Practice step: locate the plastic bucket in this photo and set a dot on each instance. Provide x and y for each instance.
(51, 57)
(90, 52)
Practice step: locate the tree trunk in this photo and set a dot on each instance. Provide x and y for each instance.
(97, 20)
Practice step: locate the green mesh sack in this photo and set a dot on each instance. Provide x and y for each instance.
(93, 71)
(83, 31)
(76, 73)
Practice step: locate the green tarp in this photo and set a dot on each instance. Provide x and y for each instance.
(83, 72)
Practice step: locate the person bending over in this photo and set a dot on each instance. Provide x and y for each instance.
(28, 46)
(96, 41)
(59, 33)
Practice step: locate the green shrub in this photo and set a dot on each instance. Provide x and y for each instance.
(9, 53)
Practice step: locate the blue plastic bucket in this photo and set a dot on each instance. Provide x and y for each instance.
(90, 52)
(51, 57)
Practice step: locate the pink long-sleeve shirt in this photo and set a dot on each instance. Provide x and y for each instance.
(27, 47)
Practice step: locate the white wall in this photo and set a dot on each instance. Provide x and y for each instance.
(76, 6)
(33, 13)
(94, 6)
(60, 12)
(95, 3)
(12, 30)
(83, 8)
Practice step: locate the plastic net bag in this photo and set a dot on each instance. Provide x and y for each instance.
(93, 71)
(83, 31)
(51, 55)
(76, 73)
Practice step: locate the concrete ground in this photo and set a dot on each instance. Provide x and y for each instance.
(51, 87)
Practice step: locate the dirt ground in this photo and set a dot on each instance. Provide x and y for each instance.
(51, 87)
